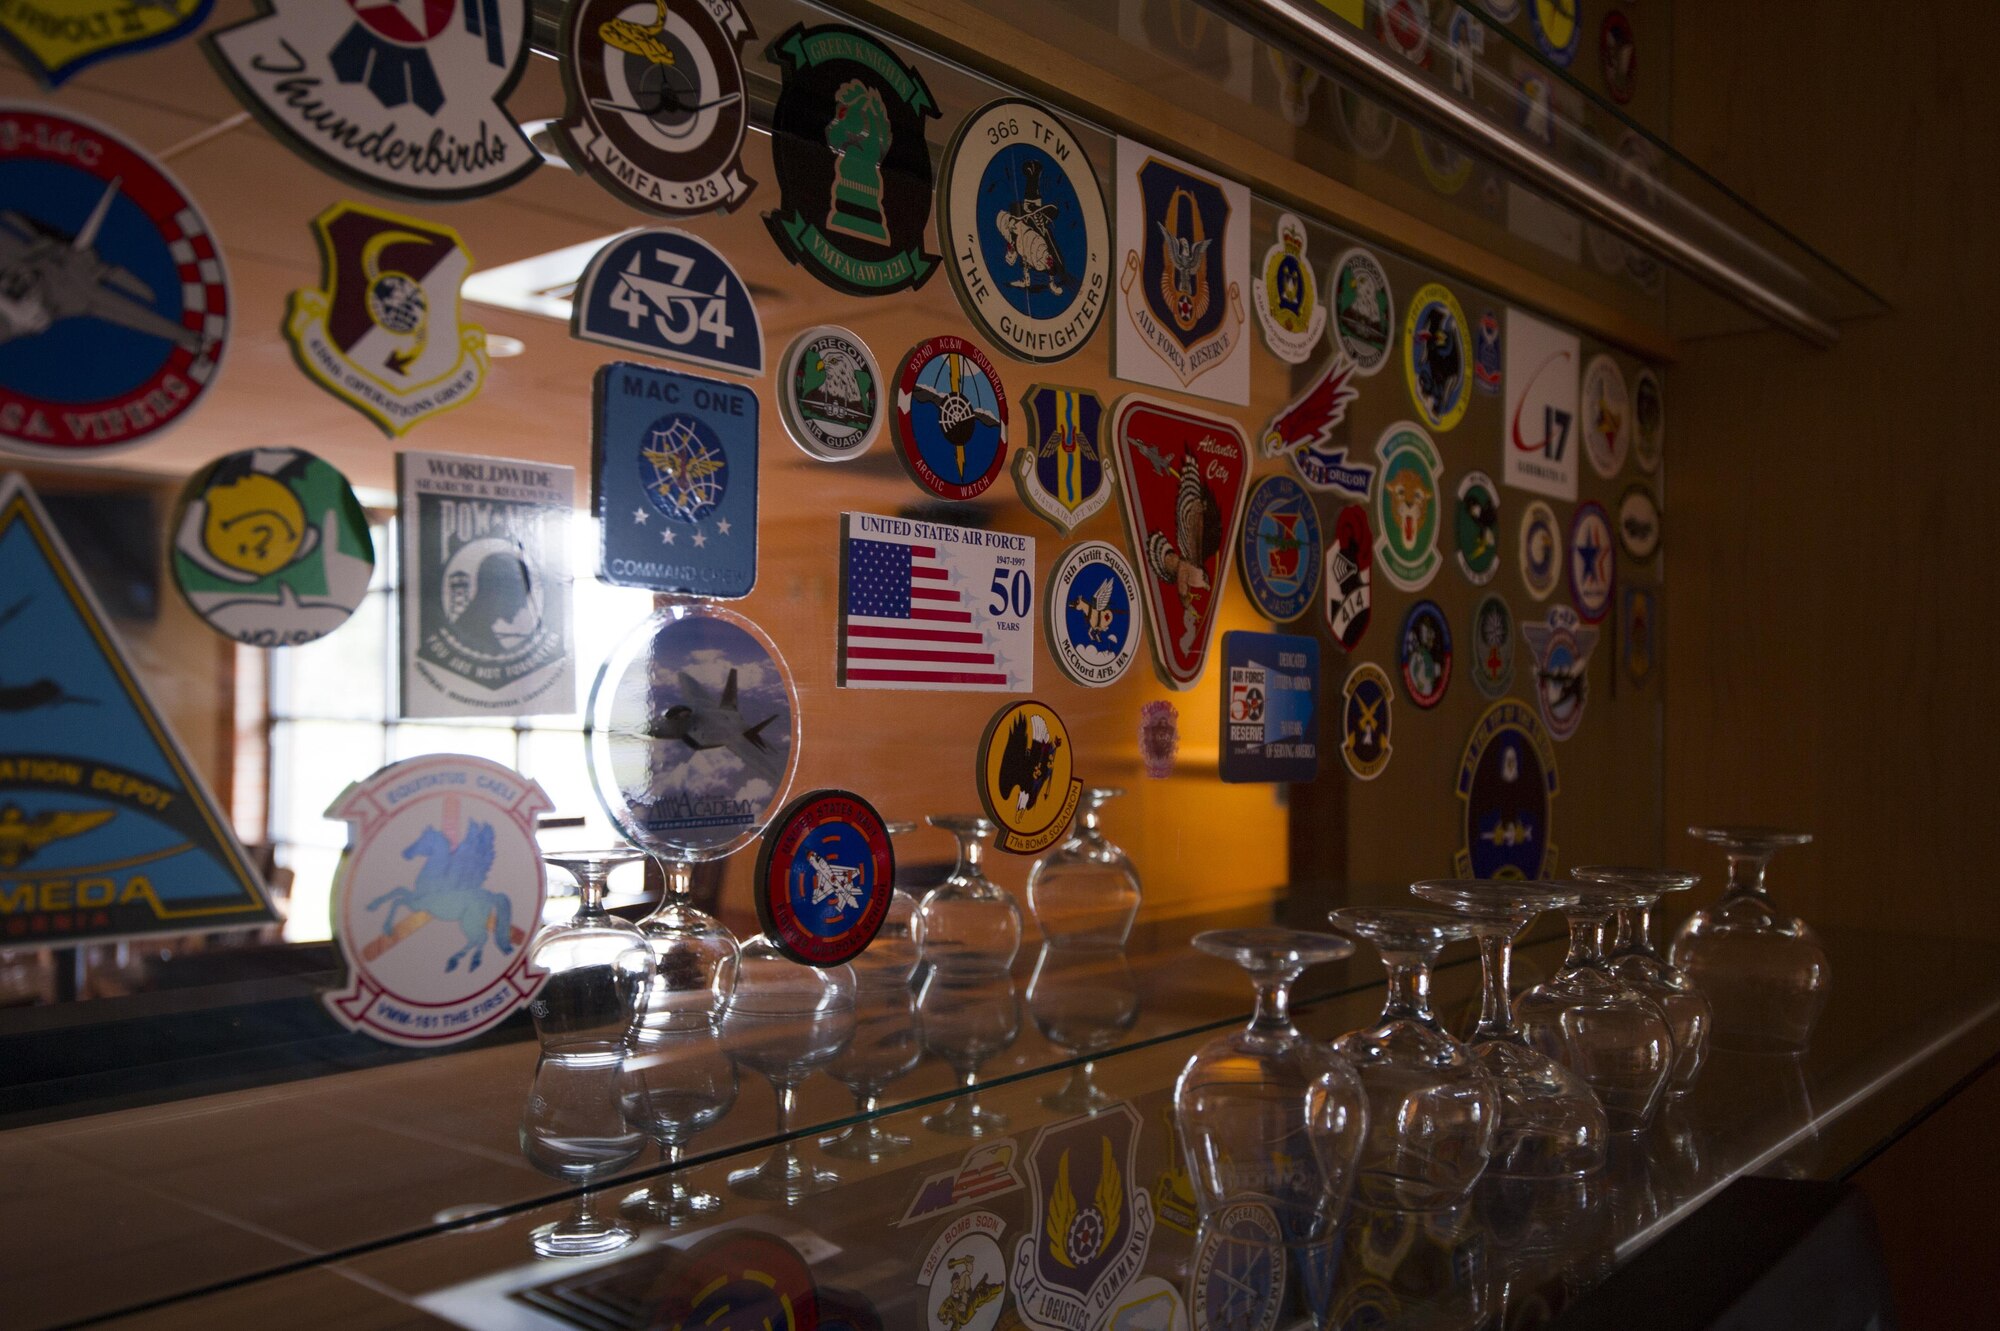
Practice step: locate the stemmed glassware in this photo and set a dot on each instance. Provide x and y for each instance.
(892, 959)
(695, 958)
(1085, 892)
(597, 966)
(572, 1130)
(887, 1046)
(783, 1020)
(673, 1085)
(1265, 1114)
(968, 1014)
(968, 922)
(1551, 1125)
(1432, 1109)
(1083, 1000)
(1634, 959)
(1762, 968)
(1596, 1024)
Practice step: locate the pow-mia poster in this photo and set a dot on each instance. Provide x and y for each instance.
(486, 621)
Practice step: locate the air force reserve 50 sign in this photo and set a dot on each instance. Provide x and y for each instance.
(675, 470)
(926, 605)
(1269, 728)
(436, 896)
(106, 831)
(116, 307)
(486, 586)
(56, 39)
(1185, 238)
(398, 97)
(664, 292)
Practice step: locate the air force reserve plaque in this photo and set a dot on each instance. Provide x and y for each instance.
(1185, 236)
(675, 470)
(56, 39)
(664, 292)
(382, 333)
(115, 305)
(486, 586)
(106, 830)
(434, 901)
(654, 103)
(397, 96)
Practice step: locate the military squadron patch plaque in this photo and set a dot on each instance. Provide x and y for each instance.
(950, 420)
(1424, 654)
(400, 98)
(1282, 549)
(1030, 244)
(1476, 527)
(830, 394)
(383, 332)
(1185, 236)
(58, 39)
(854, 172)
(1092, 610)
(1562, 644)
(1593, 561)
(1368, 702)
(115, 307)
(1541, 550)
(1061, 473)
(106, 830)
(1649, 419)
(1350, 560)
(1507, 783)
(1026, 770)
(825, 873)
(1287, 296)
(1492, 653)
(1407, 507)
(1607, 416)
(1182, 481)
(1364, 310)
(1091, 1224)
(664, 292)
(1303, 431)
(1435, 359)
(654, 104)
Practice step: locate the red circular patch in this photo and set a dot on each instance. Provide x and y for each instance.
(951, 418)
(825, 876)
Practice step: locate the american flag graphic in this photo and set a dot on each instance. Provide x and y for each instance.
(914, 616)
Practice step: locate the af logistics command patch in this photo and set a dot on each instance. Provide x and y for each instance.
(383, 332)
(1486, 358)
(1434, 359)
(1287, 296)
(1406, 506)
(1240, 1268)
(1492, 646)
(271, 547)
(1091, 609)
(950, 419)
(1593, 562)
(1350, 558)
(402, 99)
(692, 732)
(1091, 1225)
(1026, 770)
(928, 605)
(654, 105)
(964, 1275)
(1062, 473)
(1303, 431)
(1541, 550)
(1539, 448)
(1282, 549)
(1185, 236)
(1029, 242)
(1562, 645)
(1182, 481)
(1507, 783)
(1649, 419)
(854, 172)
(486, 610)
(674, 472)
(825, 873)
(1270, 727)
(1424, 655)
(437, 894)
(664, 292)
(1607, 416)
(1558, 30)
(1364, 310)
(1476, 526)
(106, 830)
(58, 39)
(116, 310)
(830, 394)
(1638, 631)
(1639, 522)
(1367, 705)
(1618, 55)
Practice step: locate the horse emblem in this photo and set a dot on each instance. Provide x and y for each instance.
(451, 889)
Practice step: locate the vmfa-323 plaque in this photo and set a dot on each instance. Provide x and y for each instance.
(486, 620)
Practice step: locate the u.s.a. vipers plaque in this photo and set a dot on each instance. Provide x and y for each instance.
(1185, 240)
(382, 332)
(486, 586)
(397, 97)
(58, 39)
(854, 172)
(654, 103)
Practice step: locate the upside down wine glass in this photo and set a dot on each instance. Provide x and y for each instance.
(1432, 1109)
(783, 1020)
(1635, 960)
(572, 1130)
(968, 922)
(1551, 1125)
(1762, 968)
(597, 966)
(1083, 1000)
(1085, 892)
(968, 1015)
(673, 1085)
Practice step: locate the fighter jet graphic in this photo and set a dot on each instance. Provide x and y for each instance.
(705, 721)
(47, 276)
